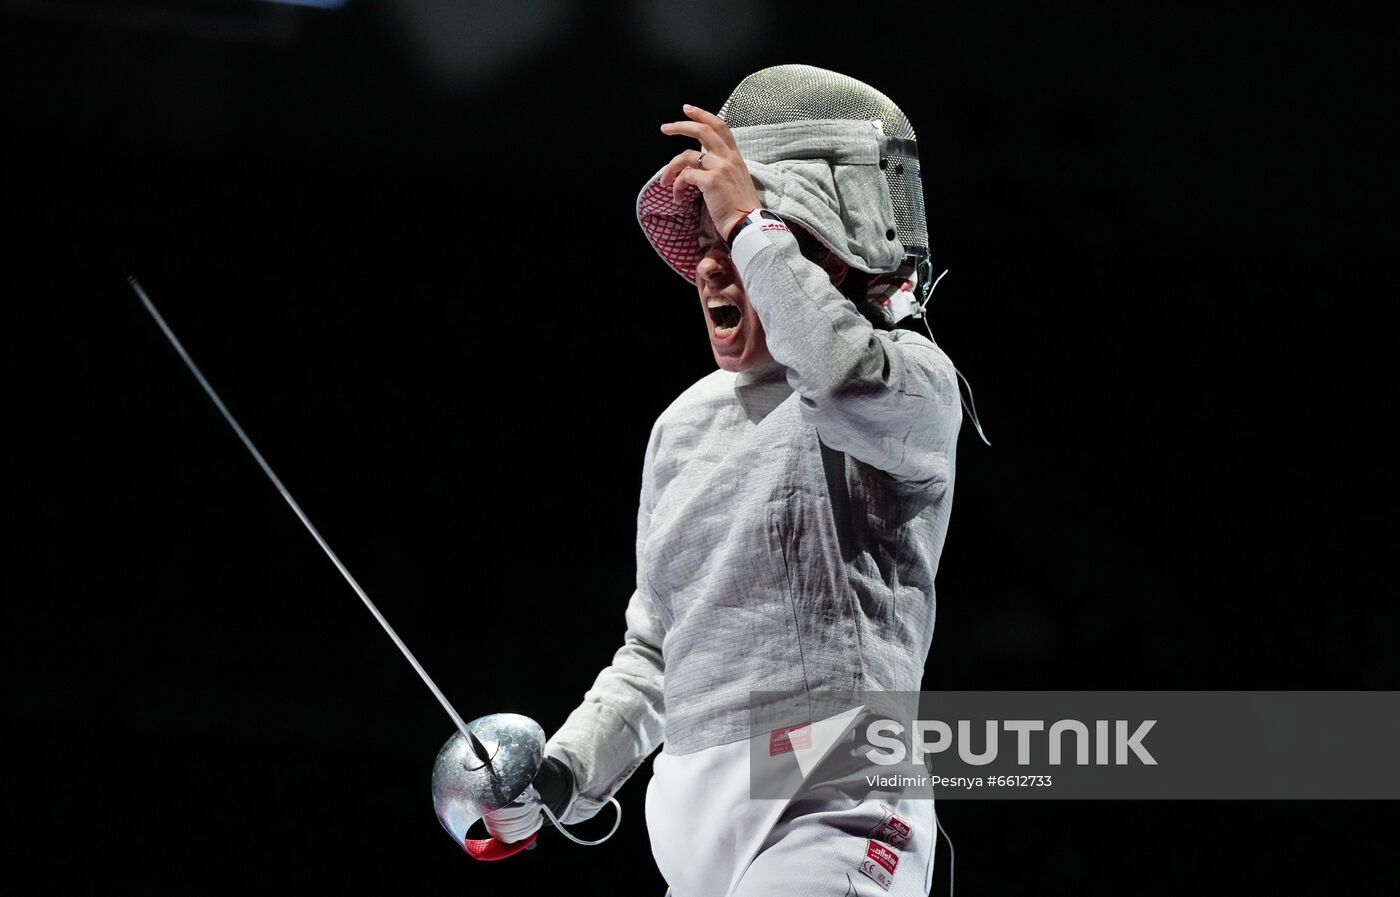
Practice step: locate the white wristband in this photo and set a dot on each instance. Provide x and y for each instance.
(753, 236)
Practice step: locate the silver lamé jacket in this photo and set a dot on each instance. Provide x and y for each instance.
(790, 525)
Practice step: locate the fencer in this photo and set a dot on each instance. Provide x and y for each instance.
(794, 502)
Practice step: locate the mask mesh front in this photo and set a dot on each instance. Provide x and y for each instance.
(787, 93)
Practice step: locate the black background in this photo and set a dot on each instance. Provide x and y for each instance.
(429, 304)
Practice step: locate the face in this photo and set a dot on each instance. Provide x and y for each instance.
(736, 335)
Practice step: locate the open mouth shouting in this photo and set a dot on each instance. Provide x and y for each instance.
(736, 333)
(725, 317)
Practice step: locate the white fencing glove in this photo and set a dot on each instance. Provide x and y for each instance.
(554, 784)
(516, 822)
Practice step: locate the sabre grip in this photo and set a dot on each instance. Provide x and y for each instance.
(554, 782)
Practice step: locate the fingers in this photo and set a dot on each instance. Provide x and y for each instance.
(707, 135)
(698, 177)
(714, 136)
(687, 159)
(705, 127)
(715, 123)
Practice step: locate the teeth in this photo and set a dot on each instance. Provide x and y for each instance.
(724, 315)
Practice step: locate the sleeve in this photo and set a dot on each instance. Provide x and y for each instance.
(621, 719)
(887, 399)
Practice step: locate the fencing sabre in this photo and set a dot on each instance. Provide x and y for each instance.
(486, 764)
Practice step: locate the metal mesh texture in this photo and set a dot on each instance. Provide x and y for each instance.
(787, 93)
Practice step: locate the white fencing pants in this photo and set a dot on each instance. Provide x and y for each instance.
(710, 839)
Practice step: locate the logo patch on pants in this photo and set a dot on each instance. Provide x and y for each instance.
(892, 830)
(879, 864)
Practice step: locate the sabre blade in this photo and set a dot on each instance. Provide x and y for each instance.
(296, 508)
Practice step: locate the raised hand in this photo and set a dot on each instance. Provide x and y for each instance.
(716, 169)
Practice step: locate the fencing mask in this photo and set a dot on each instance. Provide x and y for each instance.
(832, 154)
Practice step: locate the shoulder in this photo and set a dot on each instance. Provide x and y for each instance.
(925, 361)
(684, 423)
(701, 398)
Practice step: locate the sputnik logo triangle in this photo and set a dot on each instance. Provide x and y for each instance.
(825, 734)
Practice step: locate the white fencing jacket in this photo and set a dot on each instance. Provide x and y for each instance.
(788, 534)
